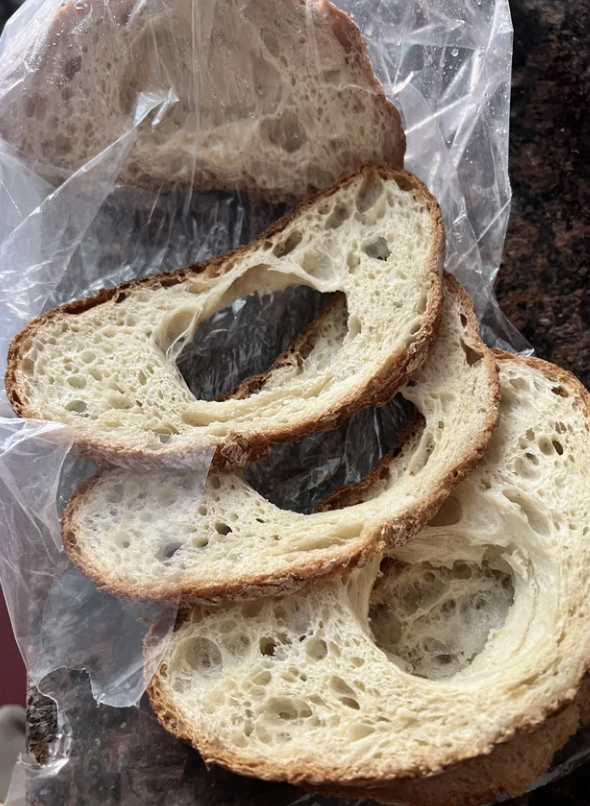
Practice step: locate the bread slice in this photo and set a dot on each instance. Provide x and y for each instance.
(160, 536)
(275, 96)
(448, 676)
(106, 366)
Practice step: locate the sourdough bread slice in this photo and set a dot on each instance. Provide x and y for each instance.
(450, 673)
(162, 536)
(274, 96)
(106, 366)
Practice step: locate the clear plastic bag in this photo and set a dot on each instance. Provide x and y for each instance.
(446, 66)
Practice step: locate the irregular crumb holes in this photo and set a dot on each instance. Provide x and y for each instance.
(284, 132)
(353, 262)
(316, 649)
(360, 731)
(72, 66)
(114, 495)
(262, 678)
(433, 621)
(537, 521)
(520, 384)
(338, 216)
(168, 550)
(472, 356)
(422, 304)
(547, 446)
(354, 326)
(449, 514)
(377, 248)
(166, 497)
(237, 647)
(77, 406)
(384, 473)
(288, 245)
(345, 694)
(526, 468)
(116, 400)
(332, 76)
(204, 656)
(318, 265)
(422, 453)
(267, 646)
(96, 373)
(350, 702)
(266, 78)
(289, 708)
(176, 331)
(561, 391)
(27, 366)
(252, 609)
(369, 193)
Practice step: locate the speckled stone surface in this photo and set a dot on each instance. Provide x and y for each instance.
(544, 284)
(544, 287)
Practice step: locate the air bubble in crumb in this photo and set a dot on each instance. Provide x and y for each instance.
(434, 622)
(204, 657)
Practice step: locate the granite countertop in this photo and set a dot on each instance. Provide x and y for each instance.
(543, 287)
(544, 282)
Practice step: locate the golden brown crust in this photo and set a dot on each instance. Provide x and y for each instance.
(237, 450)
(471, 777)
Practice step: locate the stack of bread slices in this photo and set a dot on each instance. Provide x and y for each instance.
(424, 635)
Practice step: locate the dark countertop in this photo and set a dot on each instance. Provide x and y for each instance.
(544, 283)
(543, 287)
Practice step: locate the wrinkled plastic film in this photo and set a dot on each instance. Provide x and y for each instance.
(59, 616)
(446, 66)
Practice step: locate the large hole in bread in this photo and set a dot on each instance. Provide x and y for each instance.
(433, 620)
(449, 514)
(300, 476)
(244, 339)
(370, 192)
(284, 132)
(377, 248)
(203, 657)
